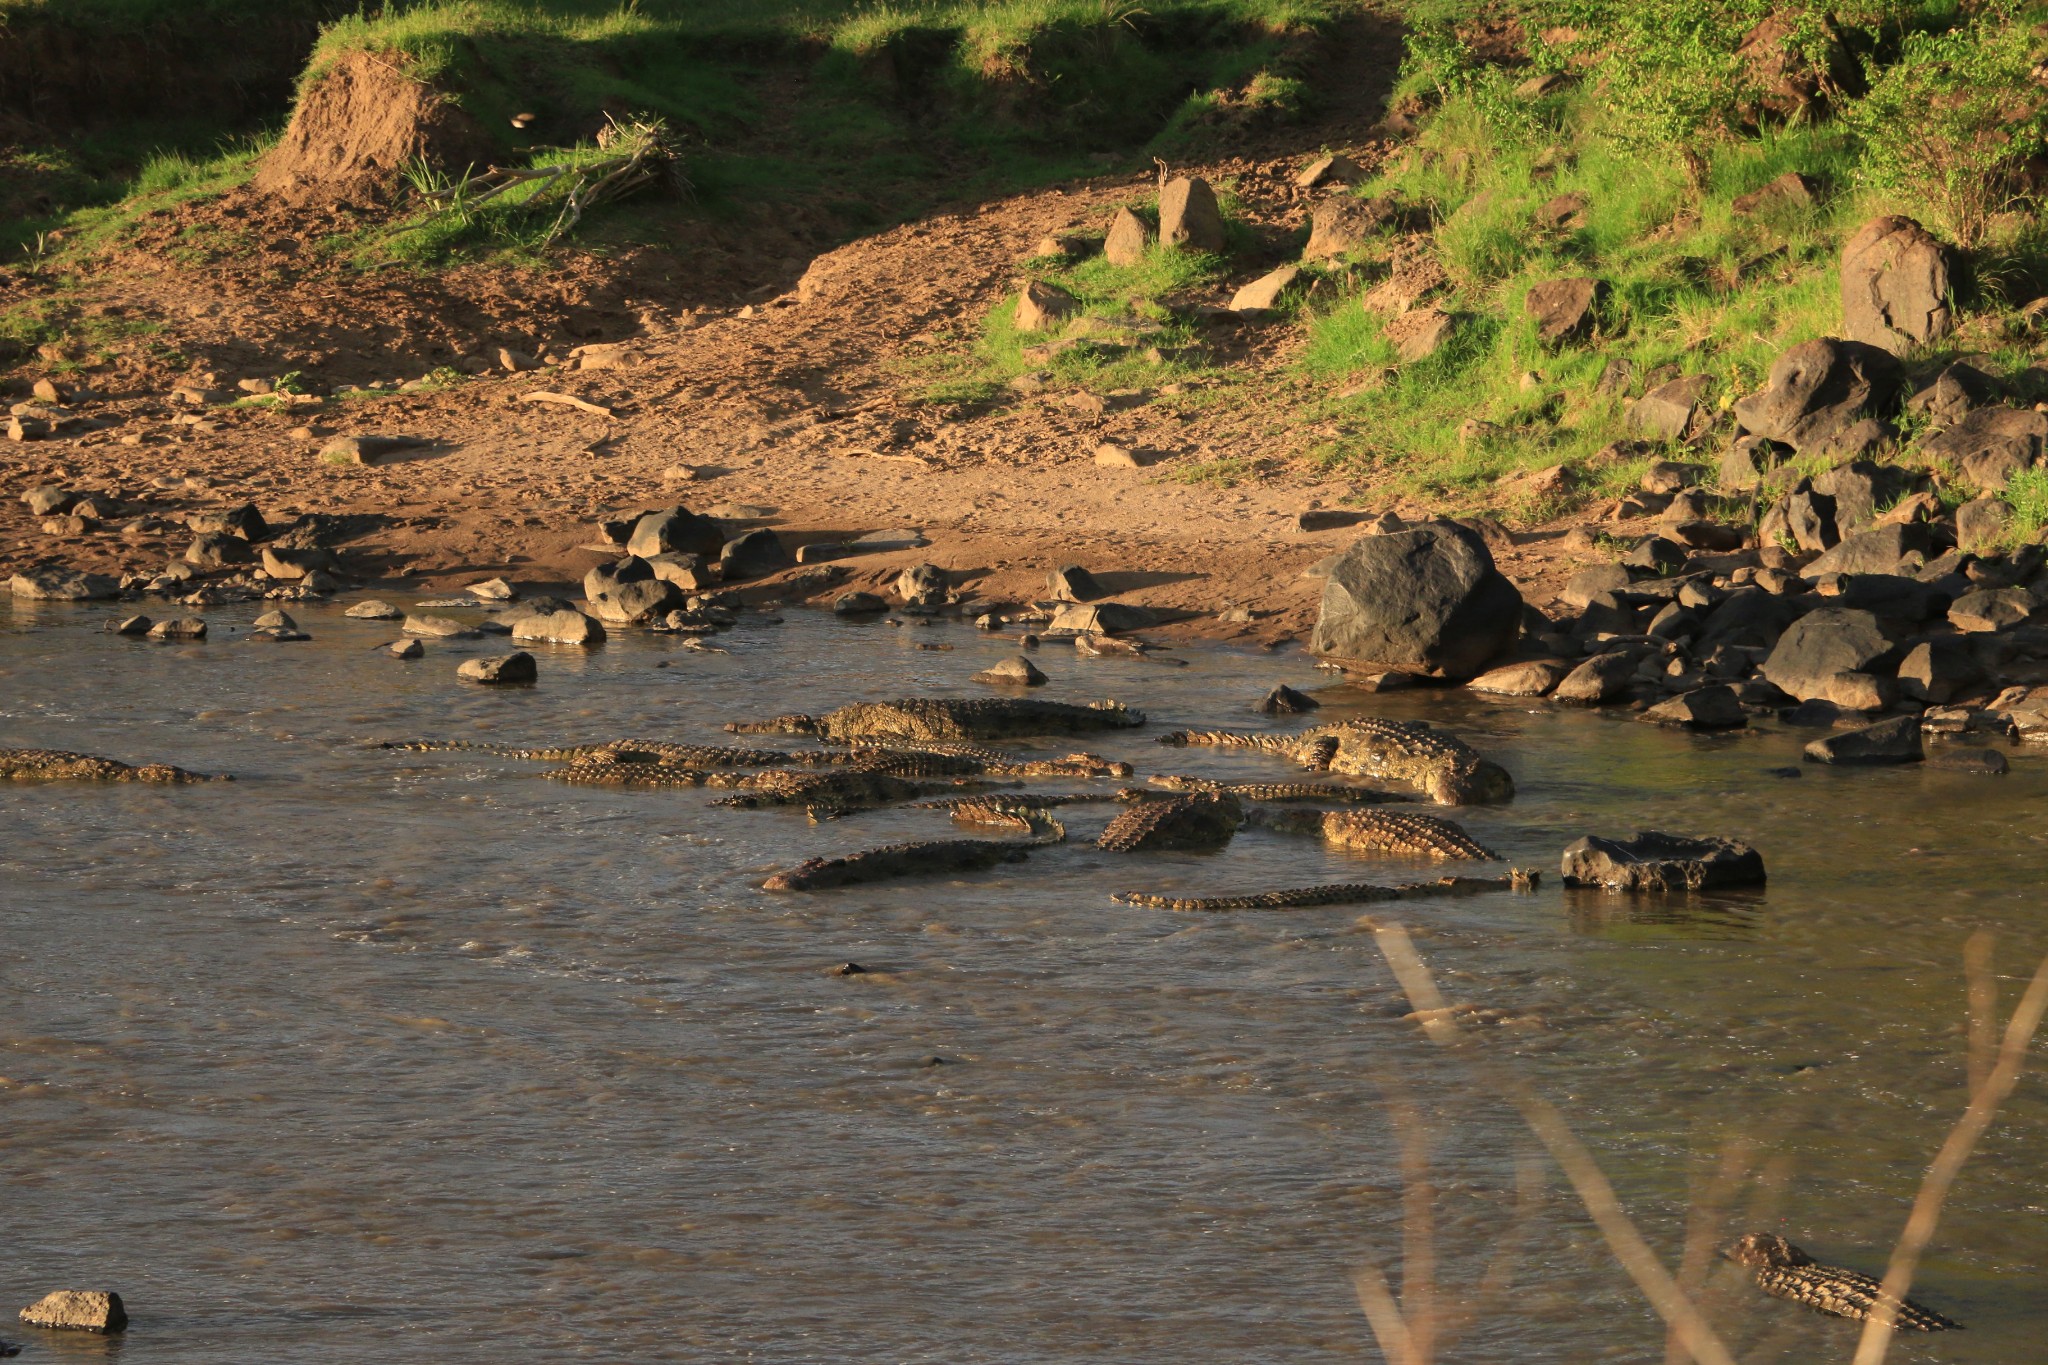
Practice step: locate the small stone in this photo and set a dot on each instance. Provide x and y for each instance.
(1704, 708)
(1889, 741)
(1015, 671)
(133, 625)
(182, 628)
(406, 649)
(493, 590)
(848, 969)
(1335, 169)
(367, 449)
(1285, 701)
(48, 500)
(858, 604)
(275, 620)
(374, 610)
(500, 670)
(1111, 456)
(440, 628)
(1072, 583)
(77, 1310)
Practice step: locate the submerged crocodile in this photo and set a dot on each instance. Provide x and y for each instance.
(924, 857)
(1784, 1271)
(58, 765)
(839, 790)
(1434, 762)
(1334, 893)
(635, 768)
(998, 762)
(1275, 791)
(944, 718)
(1203, 820)
(684, 755)
(1380, 831)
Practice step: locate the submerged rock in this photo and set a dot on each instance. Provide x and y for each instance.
(78, 1310)
(1285, 701)
(1656, 861)
(1889, 741)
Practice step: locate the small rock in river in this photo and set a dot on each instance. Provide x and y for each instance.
(182, 628)
(406, 649)
(374, 610)
(1285, 701)
(1015, 671)
(133, 625)
(77, 1310)
(504, 669)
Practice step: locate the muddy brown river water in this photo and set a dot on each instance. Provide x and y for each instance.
(417, 1057)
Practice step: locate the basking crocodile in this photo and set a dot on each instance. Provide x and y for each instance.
(1438, 764)
(634, 768)
(998, 762)
(58, 765)
(1019, 814)
(1380, 831)
(1201, 821)
(1335, 893)
(685, 755)
(1784, 1271)
(1276, 791)
(923, 857)
(942, 718)
(1034, 799)
(840, 790)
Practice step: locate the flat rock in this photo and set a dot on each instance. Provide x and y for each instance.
(1989, 609)
(440, 628)
(1263, 294)
(1703, 708)
(367, 449)
(1889, 741)
(562, 627)
(883, 542)
(1656, 861)
(77, 1310)
(1330, 169)
(1991, 444)
(1341, 223)
(1529, 678)
(1015, 671)
(1788, 191)
(1420, 333)
(500, 670)
(1102, 618)
(374, 610)
(63, 585)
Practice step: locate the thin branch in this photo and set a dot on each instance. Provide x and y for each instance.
(1948, 1164)
(1383, 1315)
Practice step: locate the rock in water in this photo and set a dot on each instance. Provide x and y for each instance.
(1655, 861)
(1015, 671)
(1427, 600)
(1285, 701)
(1531, 678)
(1889, 741)
(1704, 708)
(77, 1310)
(1833, 655)
(1188, 215)
(374, 610)
(1895, 286)
(564, 627)
(922, 585)
(675, 530)
(516, 667)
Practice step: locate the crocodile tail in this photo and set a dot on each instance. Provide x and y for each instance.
(777, 725)
(432, 745)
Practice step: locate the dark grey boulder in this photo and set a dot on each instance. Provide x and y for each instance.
(1859, 489)
(675, 530)
(755, 554)
(1955, 392)
(1656, 861)
(1818, 649)
(244, 521)
(1817, 389)
(858, 604)
(1880, 550)
(1704, 708)
(1889, 741)
(1611, 613)
(1428, 600)
(1990, 445)
(1657, 555)
(1895, 286)
(1938, 670)
(1991, 609)
(1562, 310)
(1072, 583)
(1891, 597)
(1981, 523)
(1748, 459)
(1599, 680)
(636, 603)
(606, 577)
(218, 550)
(500, 670)
(1588, 583)
(1285, 701)
(1666, 412)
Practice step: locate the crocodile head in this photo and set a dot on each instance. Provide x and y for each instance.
(1480, 784)
(1761, 1249)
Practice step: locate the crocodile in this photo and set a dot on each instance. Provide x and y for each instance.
(999, 763)
(634, 768)
(1020, 814)
(1434, 762)
(1784, 1271)
(922, 857)
(1203, 820)
(841, 790)
(58, 765)
(687, 755)
(1380, 831)
(944, 718)
(1335, 893)
(1276, 791)
(953, 803)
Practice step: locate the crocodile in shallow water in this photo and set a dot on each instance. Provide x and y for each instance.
(949, 718)
(1335, 893)
(1784, 1271)
(1379, 831)
(58, 765)
(685, 755)
(839, 790)
(1434, 762)
(998, 762)
(1277, 791)
(1202, 820)
(924, 857)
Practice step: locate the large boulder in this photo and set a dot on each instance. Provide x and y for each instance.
(1990, 445)
(1655, 861)
(1819, 389)
(1880, 550)
(1895, 286)
(635, 603)
(1833, 655)
(63, 585)
(1188, 215)
(1425, 600)
(1889, 741)
(675, 530)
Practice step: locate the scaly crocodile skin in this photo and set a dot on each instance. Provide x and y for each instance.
(1335, 893)
(1380, 831)
(1440, 765)
(943, 718)
(687, 755)
(1203, 820)
(921, 857)
(999, 763)
(1276, 791)
(1784, 1271)
(845, 789)
(57, 765)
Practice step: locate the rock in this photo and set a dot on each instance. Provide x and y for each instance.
(1889, 741)
(1041, 306)
(47, 500)
(1981, 523)
(1563, 213)
(1712, 536)
(1666, 412)
(819, 551)
(1262, 295)
(275, 620)
(1336, 169)
(1128, 239)
(1599, 680)
(1657, 555)
(367, 449)
(1188, 216)
(439, 628)
(1015, 671)
(635, 603)
(133, 625)
(1073, 583)
(1339, 224)
(562, 627)
(1859, 488)
(922, 585)
(1102, 618)
(1111, 456)
(1529, 678)
(1420, 333)
(1938, 670)
(77, 1310)
(1881, 550)
(1819, 388)
(755, 554)
(494, 590)
(1989, 609)
(1746, 460)
(63, 585)
(1809, 518)
(290, 566)
(1704, 708)
(1285, 701)
(182, 628)
(374, 610)
(1655, 861)
(1832, 655)
(1589, 583)
(1429, 599)
(675, 530)
(1609, 613)
(218, 550)
(500, 670)
(406, 649)
(1562, 310)
(1789, 190)
(1991, 444)
(858, 604)
(1670, 476)
(1988, 762)
(244, 521)
(1412, 279)
(1956, 391)
(1895, 286)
